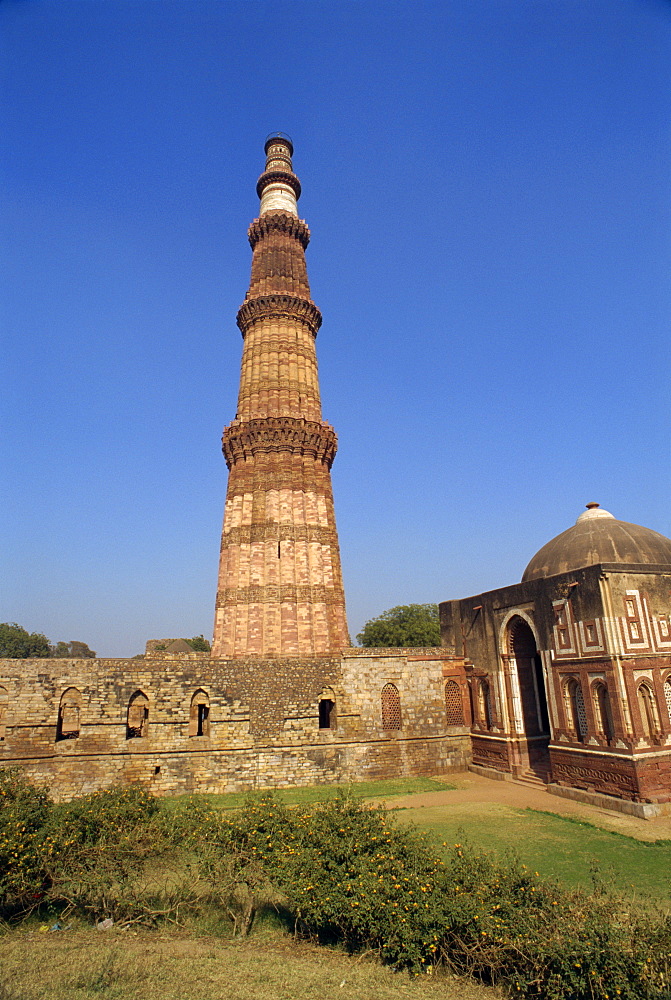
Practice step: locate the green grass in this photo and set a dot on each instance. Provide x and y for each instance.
(571, 850)
(317, 793)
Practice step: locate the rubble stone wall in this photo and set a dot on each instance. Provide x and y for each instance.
(67, 722)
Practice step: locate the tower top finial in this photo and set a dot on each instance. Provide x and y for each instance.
(278, 187)
(279, 137)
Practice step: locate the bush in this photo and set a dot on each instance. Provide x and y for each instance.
(343, 872)
(96, 850)
(23, 811)
(348, 874)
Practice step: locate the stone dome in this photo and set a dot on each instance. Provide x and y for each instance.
(598, 537)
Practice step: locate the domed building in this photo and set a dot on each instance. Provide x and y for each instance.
(569, 671)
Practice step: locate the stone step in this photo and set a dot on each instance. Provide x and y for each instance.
(538, 778)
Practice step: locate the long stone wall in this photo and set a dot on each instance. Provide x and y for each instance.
(186, 722)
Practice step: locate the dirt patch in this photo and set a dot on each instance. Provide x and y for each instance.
(474, 788)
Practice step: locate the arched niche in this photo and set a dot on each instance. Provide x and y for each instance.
(69, 712)
(137, 719)
(199, 714)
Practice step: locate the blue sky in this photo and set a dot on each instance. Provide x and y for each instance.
(487, 183)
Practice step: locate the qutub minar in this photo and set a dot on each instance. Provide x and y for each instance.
(563, 679)
(280, 587)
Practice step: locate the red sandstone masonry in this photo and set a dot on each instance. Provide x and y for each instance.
(280, 589)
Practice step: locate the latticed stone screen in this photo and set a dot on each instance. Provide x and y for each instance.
(454, 708)
(580, 713)
(667, 695)
(391, 707)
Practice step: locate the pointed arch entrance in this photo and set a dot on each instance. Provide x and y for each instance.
(532, 706)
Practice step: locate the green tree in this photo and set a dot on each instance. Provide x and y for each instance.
(404, 626)
(16, 643)
(75, 650)
(199, 643)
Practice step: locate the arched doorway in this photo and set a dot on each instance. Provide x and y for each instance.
(533, 699)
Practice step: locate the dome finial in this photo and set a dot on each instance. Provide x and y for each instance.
(591, 505)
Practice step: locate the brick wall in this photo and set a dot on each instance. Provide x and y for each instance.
(261, 730)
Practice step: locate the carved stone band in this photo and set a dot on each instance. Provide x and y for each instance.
(267, 306)
(248, 534)
(278, 176)
(277, 434)
(282, 222)
(273, 593)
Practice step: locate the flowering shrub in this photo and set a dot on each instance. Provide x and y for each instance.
(347, 873)
(23, 811)
(343, 872)
(96, 851)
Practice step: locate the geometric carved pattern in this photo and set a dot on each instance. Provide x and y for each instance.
(608, 776)
(391, 707)
(261, 532)
(292, 435)
(275, 593)
(273, 176)
(454, 708)
(576, 707)
(580, 711)
(275, 306)
(279, 222)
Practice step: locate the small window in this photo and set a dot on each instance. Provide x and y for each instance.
(326, 713)
(391, 707)
(578, 713)
(199, 715)
(137, 721)
(454, 708)
(67, 726)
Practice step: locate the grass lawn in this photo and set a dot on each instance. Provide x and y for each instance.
(317, 793)
(554, 846)
(85, 964)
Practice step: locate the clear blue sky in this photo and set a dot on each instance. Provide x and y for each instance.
(488, 187)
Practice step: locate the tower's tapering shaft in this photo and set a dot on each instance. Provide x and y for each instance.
(280, 586)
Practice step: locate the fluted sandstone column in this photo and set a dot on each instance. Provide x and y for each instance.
(280, 587)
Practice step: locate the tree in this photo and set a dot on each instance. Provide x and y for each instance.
(74, 650)
(16, 643)
(199, 643)
(404, 626)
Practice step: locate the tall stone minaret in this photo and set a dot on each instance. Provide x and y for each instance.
(280, 585)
